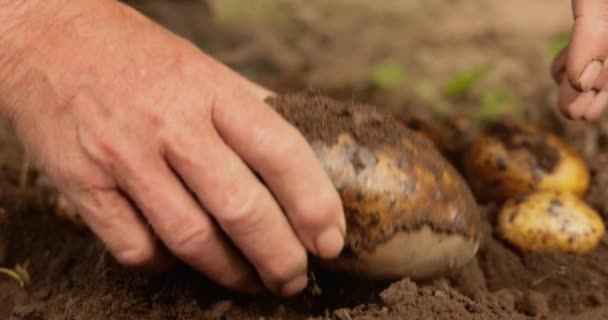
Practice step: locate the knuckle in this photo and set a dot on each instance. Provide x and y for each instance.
(283, 269)
(241, 208)
(282, 146)
(289, 144)
(136, 256)
(325, 210)
(189, 241)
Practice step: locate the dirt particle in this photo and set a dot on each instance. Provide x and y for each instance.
(534, 304)
(554, 206)
(501, 164)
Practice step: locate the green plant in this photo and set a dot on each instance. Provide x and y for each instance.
(387, 75)
(557, 42)
(19, 273)
(497, 102)
(460, 83)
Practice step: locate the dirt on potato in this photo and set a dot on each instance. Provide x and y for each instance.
(72, 277)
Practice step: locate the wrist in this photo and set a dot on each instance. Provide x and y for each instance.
(30, 33)
(21, 22)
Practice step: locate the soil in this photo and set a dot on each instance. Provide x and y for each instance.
(74, 278)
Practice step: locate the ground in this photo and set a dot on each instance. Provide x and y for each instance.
(460, 63)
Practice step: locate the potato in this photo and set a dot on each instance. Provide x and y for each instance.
(426, 128)
(550, 221)
(409, 212)
(506, 159)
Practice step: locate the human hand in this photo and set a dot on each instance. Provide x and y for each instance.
(581, 69)
(149, 138)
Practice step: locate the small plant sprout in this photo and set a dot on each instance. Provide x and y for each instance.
(460, 83)
(19, 273)
(387, 75)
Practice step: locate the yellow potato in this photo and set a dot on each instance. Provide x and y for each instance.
(550, 221)
(507, 159)
(409, 213)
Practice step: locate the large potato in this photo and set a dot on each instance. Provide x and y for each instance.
(409, 213)
(506, 159)
(550, 221)
(426, 128)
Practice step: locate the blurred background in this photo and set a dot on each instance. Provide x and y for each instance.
(484, 58)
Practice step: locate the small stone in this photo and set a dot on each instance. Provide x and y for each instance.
(440, 293)
(506, 298)
(598, 298)
(220, 308)
(534, 304)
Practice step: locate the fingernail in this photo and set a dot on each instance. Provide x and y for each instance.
(587, 78)
(330, 242)
(295, 285)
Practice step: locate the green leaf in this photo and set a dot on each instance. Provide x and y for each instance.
(462, 82)
(387, 75)
(559, 41)
(497, 102)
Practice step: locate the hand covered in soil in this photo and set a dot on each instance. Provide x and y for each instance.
(158, 146)
(581, 68)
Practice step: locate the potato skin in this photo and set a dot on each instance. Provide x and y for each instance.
(389, 196)
(385, 190)
(550, 221)
(400, 195)
(505, 160)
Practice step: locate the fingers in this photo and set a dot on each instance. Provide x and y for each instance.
(110, 216)
(581, 105)
(558, 66)
(186, 230)
(596, 107)
(244, 208)
(588, 45)
(287, 164)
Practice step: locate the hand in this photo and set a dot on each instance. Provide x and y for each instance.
(581, 68)
(148, 137)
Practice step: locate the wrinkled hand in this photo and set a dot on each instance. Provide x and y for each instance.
(156, 146)
(581, 69)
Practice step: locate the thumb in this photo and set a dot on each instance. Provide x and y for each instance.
(588, 43)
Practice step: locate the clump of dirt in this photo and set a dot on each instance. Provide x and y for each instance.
(321, 118)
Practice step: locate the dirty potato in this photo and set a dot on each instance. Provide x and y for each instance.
(409, 212)
(550, 221)
(427, 129)
(507, 159)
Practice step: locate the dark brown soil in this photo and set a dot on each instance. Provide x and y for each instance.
(319, 118)
(73, 278)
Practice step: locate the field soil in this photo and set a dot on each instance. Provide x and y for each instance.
(337, 48)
